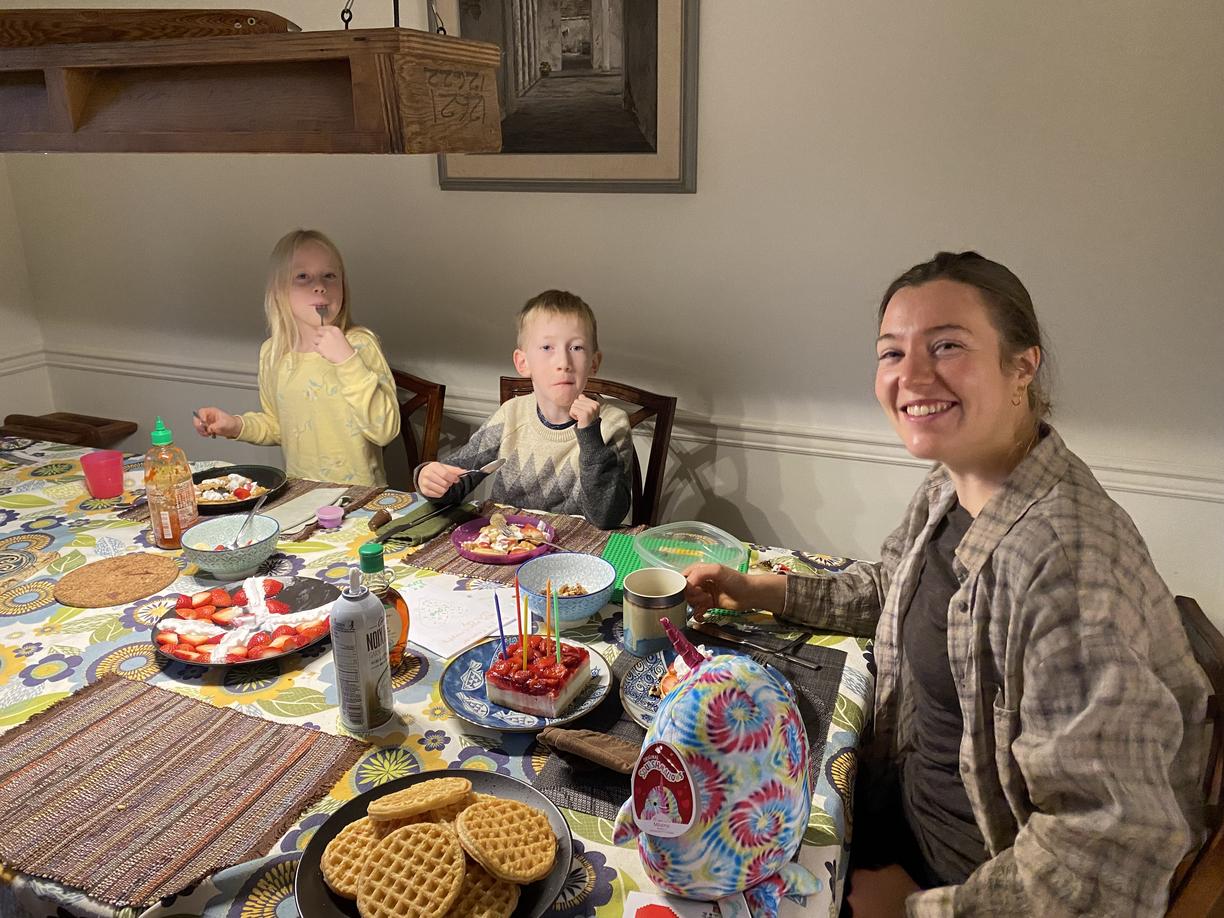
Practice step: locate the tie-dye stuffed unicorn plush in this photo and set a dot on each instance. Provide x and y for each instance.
(735, 727)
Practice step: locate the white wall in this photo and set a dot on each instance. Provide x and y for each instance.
(1077, 143)
(25, 386)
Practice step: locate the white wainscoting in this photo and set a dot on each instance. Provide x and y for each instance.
(836, 491)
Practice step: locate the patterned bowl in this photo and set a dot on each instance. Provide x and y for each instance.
(567, 567)
(200, 541)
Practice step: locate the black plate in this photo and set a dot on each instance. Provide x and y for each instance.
(272, 479)
(316, 900)
(299, 594)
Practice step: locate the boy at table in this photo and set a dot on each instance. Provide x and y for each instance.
(565, 451)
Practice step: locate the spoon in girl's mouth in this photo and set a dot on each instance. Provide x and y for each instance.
(322, 311)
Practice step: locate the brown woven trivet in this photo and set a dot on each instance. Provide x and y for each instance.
(131, 793)
(573, 534)
(115, 581)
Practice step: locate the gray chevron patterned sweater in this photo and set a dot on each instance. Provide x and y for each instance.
(564, 470)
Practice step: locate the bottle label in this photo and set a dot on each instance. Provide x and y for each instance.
(362, 673)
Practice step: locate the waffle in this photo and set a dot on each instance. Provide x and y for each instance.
(427, 795)
(448, 813)
(484, 896)
(511, 840)
(415, 872)
(345, 855)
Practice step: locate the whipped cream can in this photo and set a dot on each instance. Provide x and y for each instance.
(359, 649)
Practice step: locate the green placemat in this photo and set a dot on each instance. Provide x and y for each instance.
(621, 554)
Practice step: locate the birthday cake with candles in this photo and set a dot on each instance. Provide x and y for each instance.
(541, 681)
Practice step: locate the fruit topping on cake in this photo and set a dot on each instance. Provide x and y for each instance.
(544, 687)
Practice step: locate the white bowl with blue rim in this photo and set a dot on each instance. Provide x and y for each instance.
(567, 568)
(258, 543)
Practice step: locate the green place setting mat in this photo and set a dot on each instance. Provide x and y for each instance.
(621, 554)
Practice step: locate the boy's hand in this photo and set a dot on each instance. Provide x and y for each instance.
(585, 410)
(329, 341)
(213, 422)
(436, 479)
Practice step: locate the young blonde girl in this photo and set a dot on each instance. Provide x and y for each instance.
(325, 391)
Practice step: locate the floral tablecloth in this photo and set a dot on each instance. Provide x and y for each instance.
(49, 525)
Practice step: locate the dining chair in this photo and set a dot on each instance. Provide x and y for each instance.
(1197, 889)
(646, 494)
(414, 393)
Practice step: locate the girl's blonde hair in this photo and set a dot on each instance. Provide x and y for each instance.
(281, 327)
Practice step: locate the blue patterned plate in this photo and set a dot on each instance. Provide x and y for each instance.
(463, 691)
(638, 684)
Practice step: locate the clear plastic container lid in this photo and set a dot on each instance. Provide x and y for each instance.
(677, 545)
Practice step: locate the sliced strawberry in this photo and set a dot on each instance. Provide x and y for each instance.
(181, 652)
(240, 651)
(183, 602)
(284, 631)
(240, 597)
(272, 587)
(242, 493)
(258, 639)
(219, 598)
(276, 607)
(260, 653)
(294, 642)
(235, 657)
(215, 639)
(166, 637)
(278, 643)
(201, 599)
(225, 616)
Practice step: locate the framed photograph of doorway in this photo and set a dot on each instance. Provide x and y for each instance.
(596, 95)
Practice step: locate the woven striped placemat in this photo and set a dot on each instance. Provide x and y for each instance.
(438, 554)
(131, 792)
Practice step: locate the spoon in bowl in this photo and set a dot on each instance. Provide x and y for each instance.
(247, 522)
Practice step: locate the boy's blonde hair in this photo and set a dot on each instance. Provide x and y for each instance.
(281, 327)
(559, 303)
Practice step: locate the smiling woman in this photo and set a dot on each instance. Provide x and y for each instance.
(1036, 699)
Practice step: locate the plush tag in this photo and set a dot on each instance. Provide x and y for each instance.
(664, 795)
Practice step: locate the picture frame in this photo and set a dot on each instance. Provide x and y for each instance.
(572, 149)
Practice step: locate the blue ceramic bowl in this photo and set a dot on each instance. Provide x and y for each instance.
(567, 567)
(200, 541)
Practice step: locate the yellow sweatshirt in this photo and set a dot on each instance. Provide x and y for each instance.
(331, 420)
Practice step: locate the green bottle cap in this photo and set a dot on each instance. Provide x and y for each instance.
(371, 556)
(162, 435)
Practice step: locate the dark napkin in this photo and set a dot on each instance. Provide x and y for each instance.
(601, 791)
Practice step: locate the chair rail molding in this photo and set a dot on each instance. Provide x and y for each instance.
(1137, 476)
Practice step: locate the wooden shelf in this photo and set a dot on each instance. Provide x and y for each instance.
(358, 91)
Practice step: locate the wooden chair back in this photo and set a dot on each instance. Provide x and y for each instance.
(413, 394)
(1198, 885)
(647, 492)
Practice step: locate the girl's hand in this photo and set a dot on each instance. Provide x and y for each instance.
(880, 893)
(213, 422)
(585, 410)
(436, 479)
(329, 341)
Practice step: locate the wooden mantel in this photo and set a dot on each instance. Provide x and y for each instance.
(360, 91)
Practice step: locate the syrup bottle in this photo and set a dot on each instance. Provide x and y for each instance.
(377, 579)
(169, 489)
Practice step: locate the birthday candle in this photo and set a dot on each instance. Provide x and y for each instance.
(500, 629)
(557, 639)
(547, 610)
(525, 633)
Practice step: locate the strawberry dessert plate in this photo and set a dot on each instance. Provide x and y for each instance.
(261, 618)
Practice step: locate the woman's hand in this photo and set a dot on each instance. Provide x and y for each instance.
(712, 586)
(880, 893)
(213, 422)
(329, 341)
(436, 479)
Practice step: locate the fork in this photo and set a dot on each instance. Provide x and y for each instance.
(769, 657)
(506, 531)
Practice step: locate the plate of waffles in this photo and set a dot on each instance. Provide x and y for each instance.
(449, 842)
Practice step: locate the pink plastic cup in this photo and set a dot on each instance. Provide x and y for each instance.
(103, 473)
